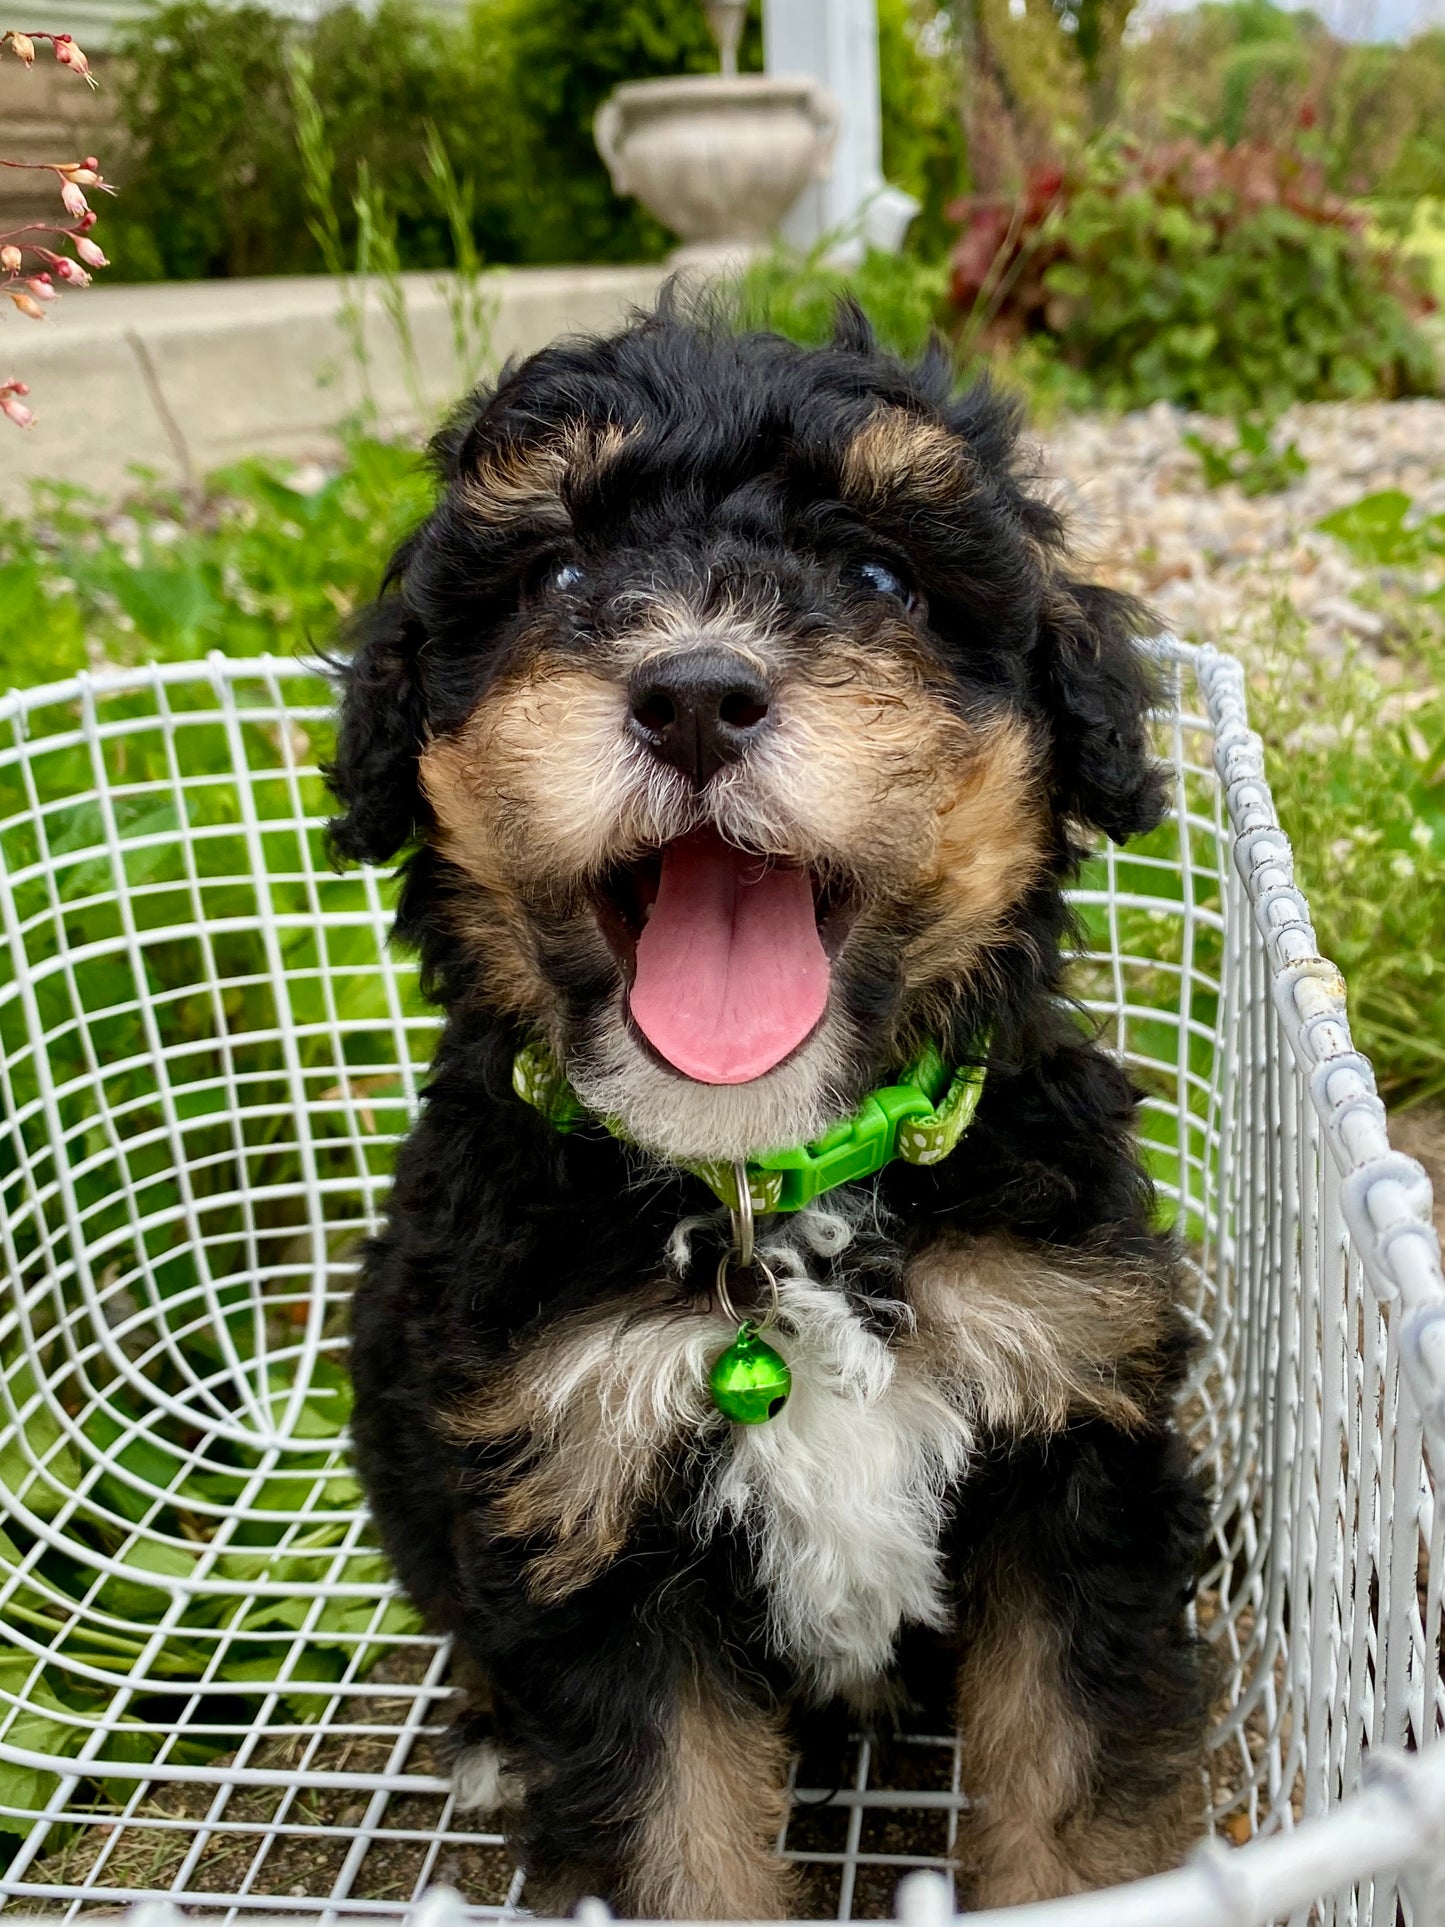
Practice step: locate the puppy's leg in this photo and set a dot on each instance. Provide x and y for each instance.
(1081, 1697)
(665, 1799)
(471, 1747)
(704, 1847)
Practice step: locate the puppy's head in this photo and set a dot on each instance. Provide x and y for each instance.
(740, 698)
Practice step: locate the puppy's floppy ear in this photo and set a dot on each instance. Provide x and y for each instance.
(1099, 688)
(374, 774)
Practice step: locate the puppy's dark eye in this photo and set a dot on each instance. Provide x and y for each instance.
(562, 577)
(885, 581)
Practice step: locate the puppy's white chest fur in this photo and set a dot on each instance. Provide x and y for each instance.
(842, 1494)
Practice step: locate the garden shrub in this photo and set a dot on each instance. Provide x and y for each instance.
(919, 83)
(564, 58)
(204, 104)
(798, 296)
(1224, 279)
(214, 185)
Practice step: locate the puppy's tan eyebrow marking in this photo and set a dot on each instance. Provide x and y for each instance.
(895, 453)
(524, 481)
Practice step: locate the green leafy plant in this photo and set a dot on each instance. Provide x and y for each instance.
(376, 271)
(920, 75)
(1254, 462)
(798, 296)
(1383, 531)
(266, 565)
(1371, 112)
(1229, 280)
(1359, 780)
(212, 186)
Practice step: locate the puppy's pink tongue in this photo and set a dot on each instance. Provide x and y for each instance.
(731, 975)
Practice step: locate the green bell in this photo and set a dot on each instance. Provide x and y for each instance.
(749, 1382)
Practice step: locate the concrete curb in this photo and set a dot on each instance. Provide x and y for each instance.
(181, 378)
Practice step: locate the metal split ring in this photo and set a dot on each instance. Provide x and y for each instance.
(742, 1216)
(744, 1255)
(730, 1310)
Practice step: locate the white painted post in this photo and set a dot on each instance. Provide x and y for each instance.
(837, 40)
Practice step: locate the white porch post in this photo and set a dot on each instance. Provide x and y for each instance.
(837, 40)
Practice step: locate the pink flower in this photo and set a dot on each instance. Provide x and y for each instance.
(80, 172)
(11, 257)
(11, 404)
(75, 201)
(26, 305)
(70, 271)
(24, 47)
(41, 286)
(90, 254)
(69, 55)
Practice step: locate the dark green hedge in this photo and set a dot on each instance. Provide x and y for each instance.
(211, 185)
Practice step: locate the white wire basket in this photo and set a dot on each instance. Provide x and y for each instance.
(209, 1690)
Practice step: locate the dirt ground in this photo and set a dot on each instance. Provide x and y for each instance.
(264, 1842)
(1420, 1133)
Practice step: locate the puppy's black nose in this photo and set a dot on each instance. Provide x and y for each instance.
(698, 709)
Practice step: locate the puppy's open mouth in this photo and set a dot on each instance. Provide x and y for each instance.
(726, 953)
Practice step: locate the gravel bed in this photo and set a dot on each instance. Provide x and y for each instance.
(1213, 562)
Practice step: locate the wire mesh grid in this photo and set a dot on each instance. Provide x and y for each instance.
(209, 1690)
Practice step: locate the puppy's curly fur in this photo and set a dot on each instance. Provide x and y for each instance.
(975, 1498)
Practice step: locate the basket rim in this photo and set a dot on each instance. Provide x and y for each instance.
(217, 666)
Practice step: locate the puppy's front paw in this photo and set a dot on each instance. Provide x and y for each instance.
(480, 1783)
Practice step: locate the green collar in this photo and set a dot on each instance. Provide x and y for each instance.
(919, 1119)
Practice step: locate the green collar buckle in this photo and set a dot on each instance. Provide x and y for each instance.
(920, 1119)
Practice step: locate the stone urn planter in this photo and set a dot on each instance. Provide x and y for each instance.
(718, 158)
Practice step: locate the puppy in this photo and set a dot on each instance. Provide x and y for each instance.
(741, 720)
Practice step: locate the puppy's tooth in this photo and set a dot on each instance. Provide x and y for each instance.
(646, 911)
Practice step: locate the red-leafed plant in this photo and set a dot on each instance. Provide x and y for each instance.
(997, 264)
(29, 267)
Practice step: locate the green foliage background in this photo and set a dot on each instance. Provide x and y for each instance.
(210, 180)
(212, 185)
(1213, 304)
(1249, 70)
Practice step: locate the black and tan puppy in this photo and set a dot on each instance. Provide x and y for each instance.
(742, 719)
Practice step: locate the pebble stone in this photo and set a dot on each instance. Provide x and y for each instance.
(1213, 563)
